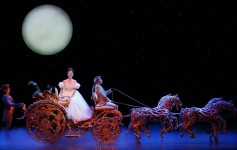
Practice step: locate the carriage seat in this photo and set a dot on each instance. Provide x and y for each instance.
(64, 100)
(94, 97)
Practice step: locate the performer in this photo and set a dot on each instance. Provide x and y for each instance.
(100, 95)
(78, 109)
(9, 105)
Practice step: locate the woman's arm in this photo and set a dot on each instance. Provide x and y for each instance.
(61, 86)
(74, 91)
(75, 87)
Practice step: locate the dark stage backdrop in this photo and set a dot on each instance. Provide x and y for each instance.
(144, 49)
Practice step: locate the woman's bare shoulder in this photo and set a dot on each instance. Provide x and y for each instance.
(73, 80)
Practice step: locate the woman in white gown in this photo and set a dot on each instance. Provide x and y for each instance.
(78, 109)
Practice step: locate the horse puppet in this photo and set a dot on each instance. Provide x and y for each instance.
(141, 115)
(210, 113)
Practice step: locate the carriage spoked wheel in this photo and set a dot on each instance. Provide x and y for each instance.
(45, 121)
(106, 129)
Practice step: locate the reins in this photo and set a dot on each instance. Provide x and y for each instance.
(128, 97)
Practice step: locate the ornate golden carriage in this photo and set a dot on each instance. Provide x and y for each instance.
(46, 121)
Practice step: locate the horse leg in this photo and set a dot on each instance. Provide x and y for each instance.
(211, 137)
(215, 127)
(145, 130)
(214, 130)
(169, 122)
(188, 118)
(187, 127)
(135, 127)
(181, 130)
(180, 124)
(164, 130)
(175, 122)
(137, 134)
(130, 128)
(223, 125)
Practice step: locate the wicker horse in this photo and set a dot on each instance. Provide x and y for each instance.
(140, 116)
(210, 113)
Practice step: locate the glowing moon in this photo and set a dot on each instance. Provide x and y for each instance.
(47, 29)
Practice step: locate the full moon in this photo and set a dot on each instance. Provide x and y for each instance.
(47, 30)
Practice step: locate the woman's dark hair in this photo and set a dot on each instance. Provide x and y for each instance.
(70, 69)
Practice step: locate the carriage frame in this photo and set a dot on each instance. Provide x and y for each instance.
(46, 121)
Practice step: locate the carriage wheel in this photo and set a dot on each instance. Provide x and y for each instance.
(106, 129)
(45, 122)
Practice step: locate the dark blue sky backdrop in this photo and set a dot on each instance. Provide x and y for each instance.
(146, 50)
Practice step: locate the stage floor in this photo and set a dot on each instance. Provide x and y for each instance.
(18, 139)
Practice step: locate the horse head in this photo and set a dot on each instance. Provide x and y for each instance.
(169, 102)
(222, 106)
(177, 102)
(231, 106)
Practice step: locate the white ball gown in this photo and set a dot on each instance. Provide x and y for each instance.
(78, 109)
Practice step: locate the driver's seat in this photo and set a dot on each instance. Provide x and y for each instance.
(94, 97)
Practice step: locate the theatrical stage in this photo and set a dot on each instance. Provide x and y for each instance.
(18, 138)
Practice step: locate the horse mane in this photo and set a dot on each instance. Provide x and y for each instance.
(164, 97)
(167, 97)
(213, 101)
